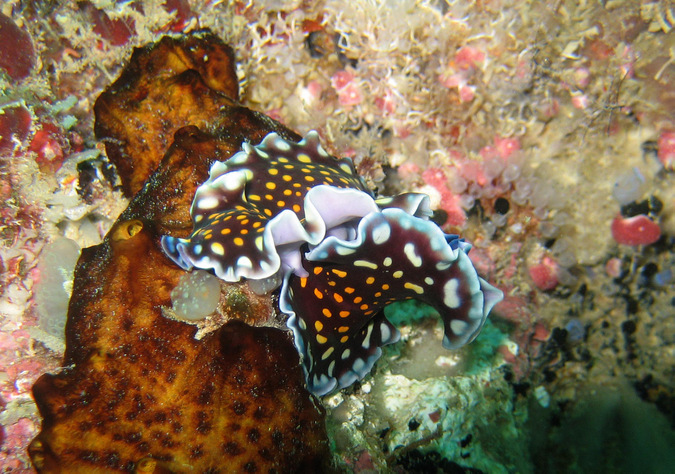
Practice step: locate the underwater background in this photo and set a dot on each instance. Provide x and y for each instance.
(544, 135)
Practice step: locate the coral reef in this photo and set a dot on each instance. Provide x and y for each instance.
(532, 126)
(179, 82)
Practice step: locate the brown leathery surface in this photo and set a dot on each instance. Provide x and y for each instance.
(138, 392)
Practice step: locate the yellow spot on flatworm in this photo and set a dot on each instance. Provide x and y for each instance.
(365, 263)
(416, 288)
(296, 208)
(270, 185)
(358, 299)
(370, 280)
(309, 178)
(244, 231)
(328, 352)
(338, 297)
(226, 231)
(349, 290)
(287, 177)
(343, 329)
(281, 203)
(320, 339)
(303, 158)
(368, 313)
(238, 241)
(378, 294)
(326, 312)
(317, 293)
(257, 224)
(287, 192)
(397, 274)
(318, 325)
(269, 197)
(318, 270)
(273, 171)
(240, 217)
(259, 243)
(217, 248)
(344, 314)
(385, 287)
(363, 306)
(303, 282)
(268, 212)
(339, 273)
(296, 185)
(344, 339)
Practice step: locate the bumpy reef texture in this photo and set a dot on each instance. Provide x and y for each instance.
(139, 393)
(180, 81)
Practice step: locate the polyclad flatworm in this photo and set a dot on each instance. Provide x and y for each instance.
(285, 210)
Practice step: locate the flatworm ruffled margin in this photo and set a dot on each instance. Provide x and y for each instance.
(284, 210)
(336, 313)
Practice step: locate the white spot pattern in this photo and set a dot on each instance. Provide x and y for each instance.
(381, 233)
(409, 251)
(208, 202)
(450, 295)
(458, 326)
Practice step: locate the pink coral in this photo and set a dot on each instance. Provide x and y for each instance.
(349, 92)
(638, 230)
(468, 57)
(449, 201)
(666, 151)
(544, 274)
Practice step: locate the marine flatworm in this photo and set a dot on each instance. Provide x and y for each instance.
(290, 210)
